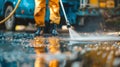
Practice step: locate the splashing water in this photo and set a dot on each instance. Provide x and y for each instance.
(76, 38)
(73, 35)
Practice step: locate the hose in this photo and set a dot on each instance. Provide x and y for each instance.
(9, 16)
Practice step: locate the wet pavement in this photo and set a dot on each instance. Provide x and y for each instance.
(12, 49)
(16, 49)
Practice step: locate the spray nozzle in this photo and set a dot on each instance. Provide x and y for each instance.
(68, 25)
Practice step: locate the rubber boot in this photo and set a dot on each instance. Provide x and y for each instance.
(39, 31)
(54, 30)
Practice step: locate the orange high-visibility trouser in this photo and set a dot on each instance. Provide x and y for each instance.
(40, 9)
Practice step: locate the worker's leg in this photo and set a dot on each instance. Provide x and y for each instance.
(54, 14)
(54, 11)
(39, 15)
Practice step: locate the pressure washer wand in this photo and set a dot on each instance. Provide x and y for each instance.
(66, 19)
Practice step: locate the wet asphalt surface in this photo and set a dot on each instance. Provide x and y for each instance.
(16, 50)
(15, 46)
(21, 39)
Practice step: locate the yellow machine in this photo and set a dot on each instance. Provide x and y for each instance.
(94, 3)
(102, 3)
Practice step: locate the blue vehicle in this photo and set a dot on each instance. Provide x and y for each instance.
(22, 12)
(26, 11)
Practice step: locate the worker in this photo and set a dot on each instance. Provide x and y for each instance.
(39, 15)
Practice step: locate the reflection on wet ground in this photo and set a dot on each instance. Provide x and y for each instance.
(24, 50)
(17, 50)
